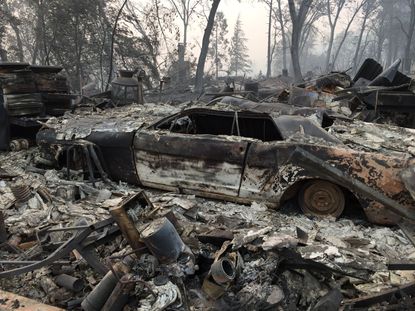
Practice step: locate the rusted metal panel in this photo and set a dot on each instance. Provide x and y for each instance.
(378, 172)
(260, 172)
(204, 147)
(205, 163)
(10, 301)
(270, 178)
(158, 170)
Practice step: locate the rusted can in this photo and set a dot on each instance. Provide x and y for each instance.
(223, 271)
(162, 240)
(70, 282)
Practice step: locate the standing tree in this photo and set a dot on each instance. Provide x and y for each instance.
(298, 18)
(333, 12)
(184, 9)
(14, 22)
(139, 42)
(380, 30)
(368, 9)
(269, 3)
(114, 32)
(205, 45)
(3, 51)
(239, 61)
(409, 33)
(356, 10)
(218, 51)
(281, 16)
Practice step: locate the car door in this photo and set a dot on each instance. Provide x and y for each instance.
(261, 168)
(268, 171)
(206, 165)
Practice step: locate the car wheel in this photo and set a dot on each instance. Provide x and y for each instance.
(321, 198)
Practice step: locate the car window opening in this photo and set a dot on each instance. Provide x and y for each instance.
(257, 127)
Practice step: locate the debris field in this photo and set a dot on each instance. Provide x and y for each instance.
(280, 197)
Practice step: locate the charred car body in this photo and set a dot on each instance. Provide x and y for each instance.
(244, 156)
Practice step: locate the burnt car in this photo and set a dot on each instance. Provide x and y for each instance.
(246, 156)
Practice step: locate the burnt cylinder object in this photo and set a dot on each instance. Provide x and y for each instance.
(127, 227)
(99, 295)
(120, 295)
(223, 271)
(97, 298)
(70, 282)
(162, 240)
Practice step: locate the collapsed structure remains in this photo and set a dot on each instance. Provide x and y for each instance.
(288, 198)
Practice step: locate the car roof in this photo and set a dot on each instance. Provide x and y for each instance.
(288, 125)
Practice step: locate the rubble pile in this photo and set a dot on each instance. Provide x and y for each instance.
(374, 94)
(265, 259)
(161, 206)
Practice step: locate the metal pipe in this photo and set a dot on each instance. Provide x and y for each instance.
(99, 295)
(70, 282)
(66, 229)
(119, 296)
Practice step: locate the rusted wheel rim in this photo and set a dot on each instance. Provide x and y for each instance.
(322, 198)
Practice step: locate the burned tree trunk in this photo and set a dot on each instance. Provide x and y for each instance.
(269, 56)
(114, 30)
(283, 35)
(297, 19)
(345, 34)
(333, 24)
(19, 43)
(359, 43)
(205, 46)
(409, 35)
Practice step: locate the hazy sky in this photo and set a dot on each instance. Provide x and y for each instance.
(254, 21)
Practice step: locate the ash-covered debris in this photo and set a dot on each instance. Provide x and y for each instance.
(225, 254)
(374, 94)
(172, 207)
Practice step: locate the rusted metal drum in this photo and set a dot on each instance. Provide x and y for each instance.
(162, 240)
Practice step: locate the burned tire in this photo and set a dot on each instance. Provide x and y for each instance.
(321, 198)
